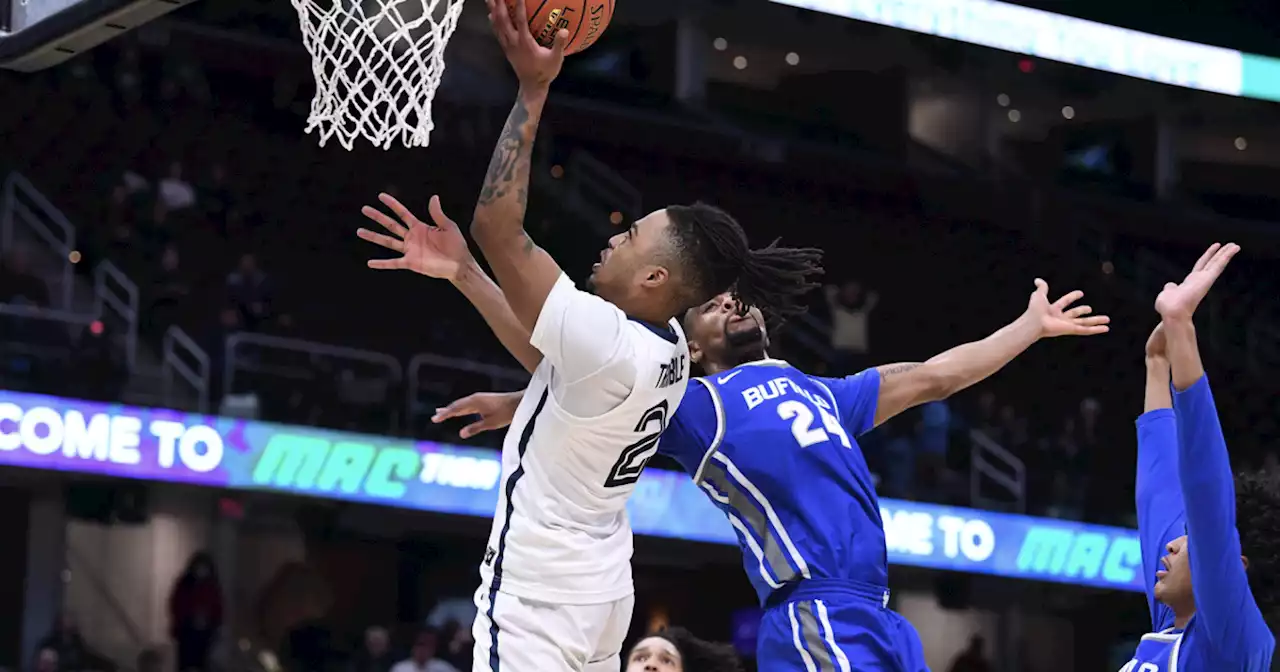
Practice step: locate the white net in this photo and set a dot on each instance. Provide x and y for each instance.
(377, 65)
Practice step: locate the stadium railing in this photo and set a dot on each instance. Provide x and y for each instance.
(24, 206)
(176, 348)
(287, 367)
(990, 461)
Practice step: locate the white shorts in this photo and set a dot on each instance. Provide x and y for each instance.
(514, 634)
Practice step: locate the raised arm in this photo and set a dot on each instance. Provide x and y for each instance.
(909, 384)
(1161, 517)
(1225, 606)
(525, 271)
(440, 251)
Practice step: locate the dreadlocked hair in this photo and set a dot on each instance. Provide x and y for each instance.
(1258, 510)
(714, 256)
(699, 655)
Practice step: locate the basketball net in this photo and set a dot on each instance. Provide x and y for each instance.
(377, 65)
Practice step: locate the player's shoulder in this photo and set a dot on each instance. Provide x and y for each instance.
(655, 334)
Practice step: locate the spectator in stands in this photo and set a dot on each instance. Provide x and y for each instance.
(933, 435)
(214, 342)
(423, 658)
(1014, 431)
(170, 287)
(128, 77)
(117, 239)
(216, 198)
(973, 658)
(674, 649)
(195, 612)
(1070, 473)
(375, 656)
(46, 660)
(898, 464)
(984, 416)
(100, 372)
(850, 307)
(249, 291)
(70, 652)
(458, 644)
(174, 192)
(18, 284)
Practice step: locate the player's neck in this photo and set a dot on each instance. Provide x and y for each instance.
(648, 314)
(1183, 616)
(714, 368)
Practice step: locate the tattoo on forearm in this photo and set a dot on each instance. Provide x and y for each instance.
(510, 163)
(895, 369)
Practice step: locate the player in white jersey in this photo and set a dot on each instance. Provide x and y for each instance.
(608, 370)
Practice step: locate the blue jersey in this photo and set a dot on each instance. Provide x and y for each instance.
(1185, 486)
(776, 450)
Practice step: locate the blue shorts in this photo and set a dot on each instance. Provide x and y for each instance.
(823, 625)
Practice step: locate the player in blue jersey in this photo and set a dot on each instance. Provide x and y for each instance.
(776, 450)
(1210, 619)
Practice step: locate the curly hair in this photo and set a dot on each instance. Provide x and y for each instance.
(699, 655)
(1258, 509)
(712, 250)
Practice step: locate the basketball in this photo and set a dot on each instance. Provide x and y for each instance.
(584, 19)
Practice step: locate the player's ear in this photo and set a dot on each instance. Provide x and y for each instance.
(655, 276)
(1242, 558)
(695, 353)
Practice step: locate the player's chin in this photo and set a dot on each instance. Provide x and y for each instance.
(742, 327)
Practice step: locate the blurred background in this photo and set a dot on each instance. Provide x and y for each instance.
(214, 418)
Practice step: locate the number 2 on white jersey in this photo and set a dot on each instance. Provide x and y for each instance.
(802, 428)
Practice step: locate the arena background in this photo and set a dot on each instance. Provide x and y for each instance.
(193, 357)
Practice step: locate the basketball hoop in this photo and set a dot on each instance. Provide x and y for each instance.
(377, 65)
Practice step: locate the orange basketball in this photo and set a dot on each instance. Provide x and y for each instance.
(584, 19)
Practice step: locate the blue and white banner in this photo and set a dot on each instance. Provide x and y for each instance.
(42, 432)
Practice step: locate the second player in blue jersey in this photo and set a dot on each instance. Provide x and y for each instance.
(776, 449)
(1209, 584)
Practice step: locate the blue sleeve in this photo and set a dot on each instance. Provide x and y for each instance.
(856, 397)
(1161, 517)
(1225, 608)
(691, 432)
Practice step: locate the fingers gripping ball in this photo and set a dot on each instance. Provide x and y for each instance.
(584, 19)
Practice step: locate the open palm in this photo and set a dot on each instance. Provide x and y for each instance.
(1179, 300)
(1060, 318)
(436, 251)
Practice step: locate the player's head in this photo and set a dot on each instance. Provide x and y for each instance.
(681, 256)
(1258, 520)
(677, 650)
(721, 336)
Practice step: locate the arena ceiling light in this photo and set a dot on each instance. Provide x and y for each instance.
(1089, 44)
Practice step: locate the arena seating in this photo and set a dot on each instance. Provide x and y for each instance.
(952, 254)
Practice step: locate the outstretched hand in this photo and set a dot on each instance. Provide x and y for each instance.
(437, 251)
(1060, 318)
(535, 64)
(496, 410)
(1178, 301)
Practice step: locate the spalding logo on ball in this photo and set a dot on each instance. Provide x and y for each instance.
(584, 19)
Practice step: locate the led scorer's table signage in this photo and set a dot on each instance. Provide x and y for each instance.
(44, 432)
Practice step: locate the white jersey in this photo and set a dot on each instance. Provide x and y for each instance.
(588, 423)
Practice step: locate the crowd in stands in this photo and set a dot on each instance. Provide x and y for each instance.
(199, 185)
